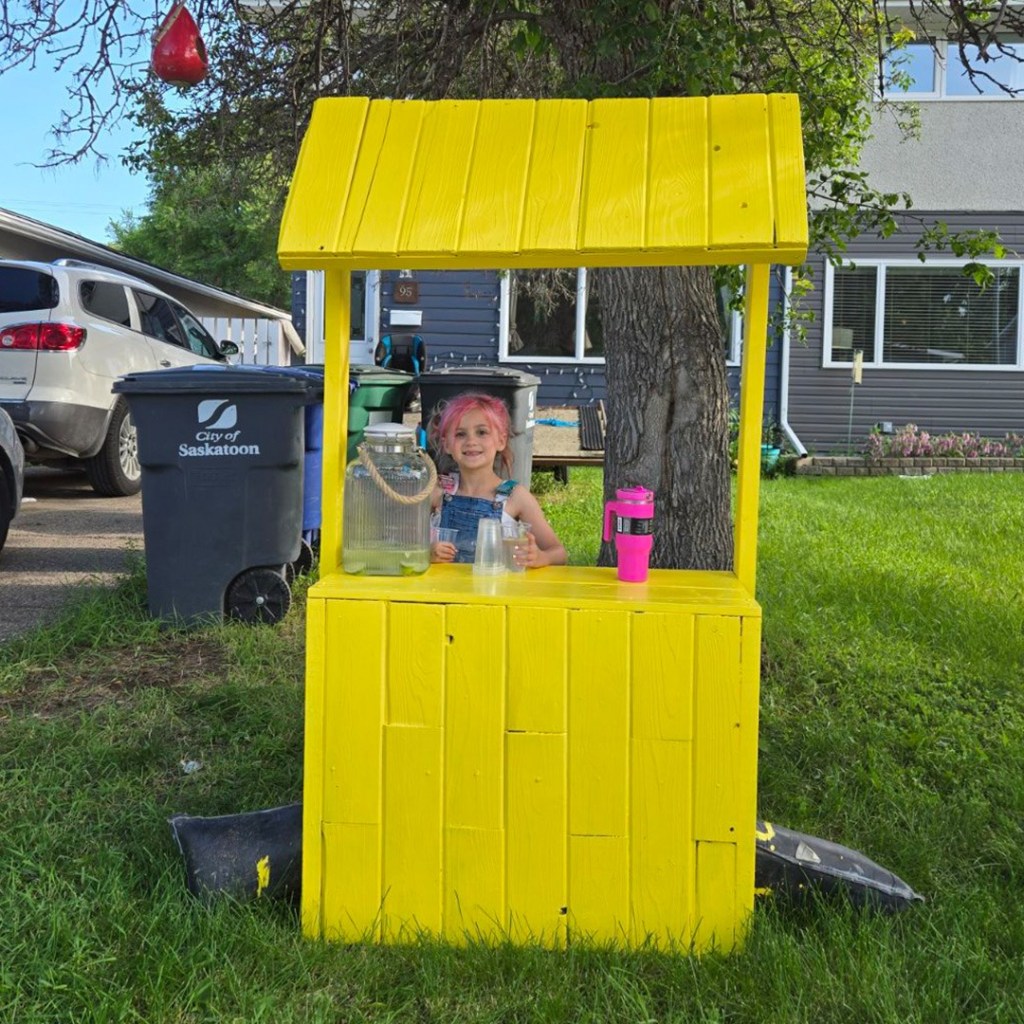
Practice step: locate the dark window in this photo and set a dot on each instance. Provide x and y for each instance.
(939, 315)
(23, 290)
(107, 301)
(158, 319)
(358, 314)
(198, 338)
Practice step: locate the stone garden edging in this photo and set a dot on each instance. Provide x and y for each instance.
(858, 465)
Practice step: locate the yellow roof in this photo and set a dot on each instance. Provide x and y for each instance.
(416, 184)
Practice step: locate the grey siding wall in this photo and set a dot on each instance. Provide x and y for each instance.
(460, 315)
(940, 400)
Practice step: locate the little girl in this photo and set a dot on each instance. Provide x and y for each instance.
(474, 430)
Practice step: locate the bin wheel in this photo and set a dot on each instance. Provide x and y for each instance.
(304, 562)
(258, 596)
(288, 572)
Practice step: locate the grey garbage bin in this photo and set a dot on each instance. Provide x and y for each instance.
(517, 389)
(221, 450)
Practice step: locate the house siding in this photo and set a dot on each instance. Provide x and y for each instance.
(939, 400)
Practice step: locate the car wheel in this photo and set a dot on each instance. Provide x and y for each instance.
(6, 508)
(114, 471)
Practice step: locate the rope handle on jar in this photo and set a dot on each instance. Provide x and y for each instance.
(402, 499)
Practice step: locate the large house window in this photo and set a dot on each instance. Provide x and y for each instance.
(551, 317)
(565, 326)
(935, 70)
(932, 315)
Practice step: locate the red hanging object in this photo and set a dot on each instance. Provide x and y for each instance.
(179, 54)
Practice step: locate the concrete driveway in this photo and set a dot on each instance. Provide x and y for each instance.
(65, 537)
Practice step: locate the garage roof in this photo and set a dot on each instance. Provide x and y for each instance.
(388, 184)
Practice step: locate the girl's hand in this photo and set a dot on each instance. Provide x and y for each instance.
(442, 551)
(535, 558)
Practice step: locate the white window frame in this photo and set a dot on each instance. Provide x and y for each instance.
(941, 59)
(315, 313)
(504, 327)
(879, 362)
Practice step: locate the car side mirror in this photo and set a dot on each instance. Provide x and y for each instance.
(228, 348)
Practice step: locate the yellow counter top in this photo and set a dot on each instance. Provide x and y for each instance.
(560, 586)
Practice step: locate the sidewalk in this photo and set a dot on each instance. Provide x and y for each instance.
(64, 538)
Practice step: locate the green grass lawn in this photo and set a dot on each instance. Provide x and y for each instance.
(892, 720)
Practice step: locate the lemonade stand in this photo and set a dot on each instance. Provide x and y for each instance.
(549, 756)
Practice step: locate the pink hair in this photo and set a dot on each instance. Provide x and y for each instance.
(448, 415)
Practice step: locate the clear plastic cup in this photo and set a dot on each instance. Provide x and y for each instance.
(490, 552)
(514, 538)
(442, 535)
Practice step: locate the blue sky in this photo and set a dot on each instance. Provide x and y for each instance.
(81, 198)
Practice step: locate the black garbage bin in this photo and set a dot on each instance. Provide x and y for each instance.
(517, 389)
(221, 450)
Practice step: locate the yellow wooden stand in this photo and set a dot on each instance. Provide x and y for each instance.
(550, 756)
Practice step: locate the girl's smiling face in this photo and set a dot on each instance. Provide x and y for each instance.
(474, 443)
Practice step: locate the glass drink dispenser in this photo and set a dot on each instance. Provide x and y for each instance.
(387, 504)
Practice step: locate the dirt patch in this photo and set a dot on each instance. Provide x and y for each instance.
(85, 681)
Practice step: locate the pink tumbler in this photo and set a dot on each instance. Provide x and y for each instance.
(633, 510)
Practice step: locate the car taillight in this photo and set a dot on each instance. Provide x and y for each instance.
(46, 337)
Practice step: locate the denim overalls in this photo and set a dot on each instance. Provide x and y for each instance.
(461, 513)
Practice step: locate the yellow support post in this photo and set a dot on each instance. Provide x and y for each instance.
(337, 331)
(748, 473)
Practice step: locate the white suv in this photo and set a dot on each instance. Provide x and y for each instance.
(68, 330)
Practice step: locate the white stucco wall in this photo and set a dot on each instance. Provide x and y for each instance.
(970, 156)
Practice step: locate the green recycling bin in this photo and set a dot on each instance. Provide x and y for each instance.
(376, 395)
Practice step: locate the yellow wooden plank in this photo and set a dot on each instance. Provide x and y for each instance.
(750, 673)
(416, 649)
(537, 844)
(437, 189)
(615, 175)
(598, 889)
(474, 885)
(313, 770)
(577, 586)
(354, 710)
(662, 677)
(598, 722)
(741, 209)
(412, 865)
(537, 669)
(789, 187)
(323, 175)
(475, 717)
(384, 211)
(552, 207)
(748, 470)
(337, 311)
(662, 847)
(352, 882)
(720, 924)
(721, 786)
(493, 211)
(364, 176)
(677, 210)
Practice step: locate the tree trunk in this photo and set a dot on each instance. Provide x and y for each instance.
(668, 409)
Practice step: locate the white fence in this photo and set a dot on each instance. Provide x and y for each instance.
(260, 342)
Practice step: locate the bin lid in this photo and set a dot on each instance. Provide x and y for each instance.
(367, 373)
(213, 377)
(500, 376)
